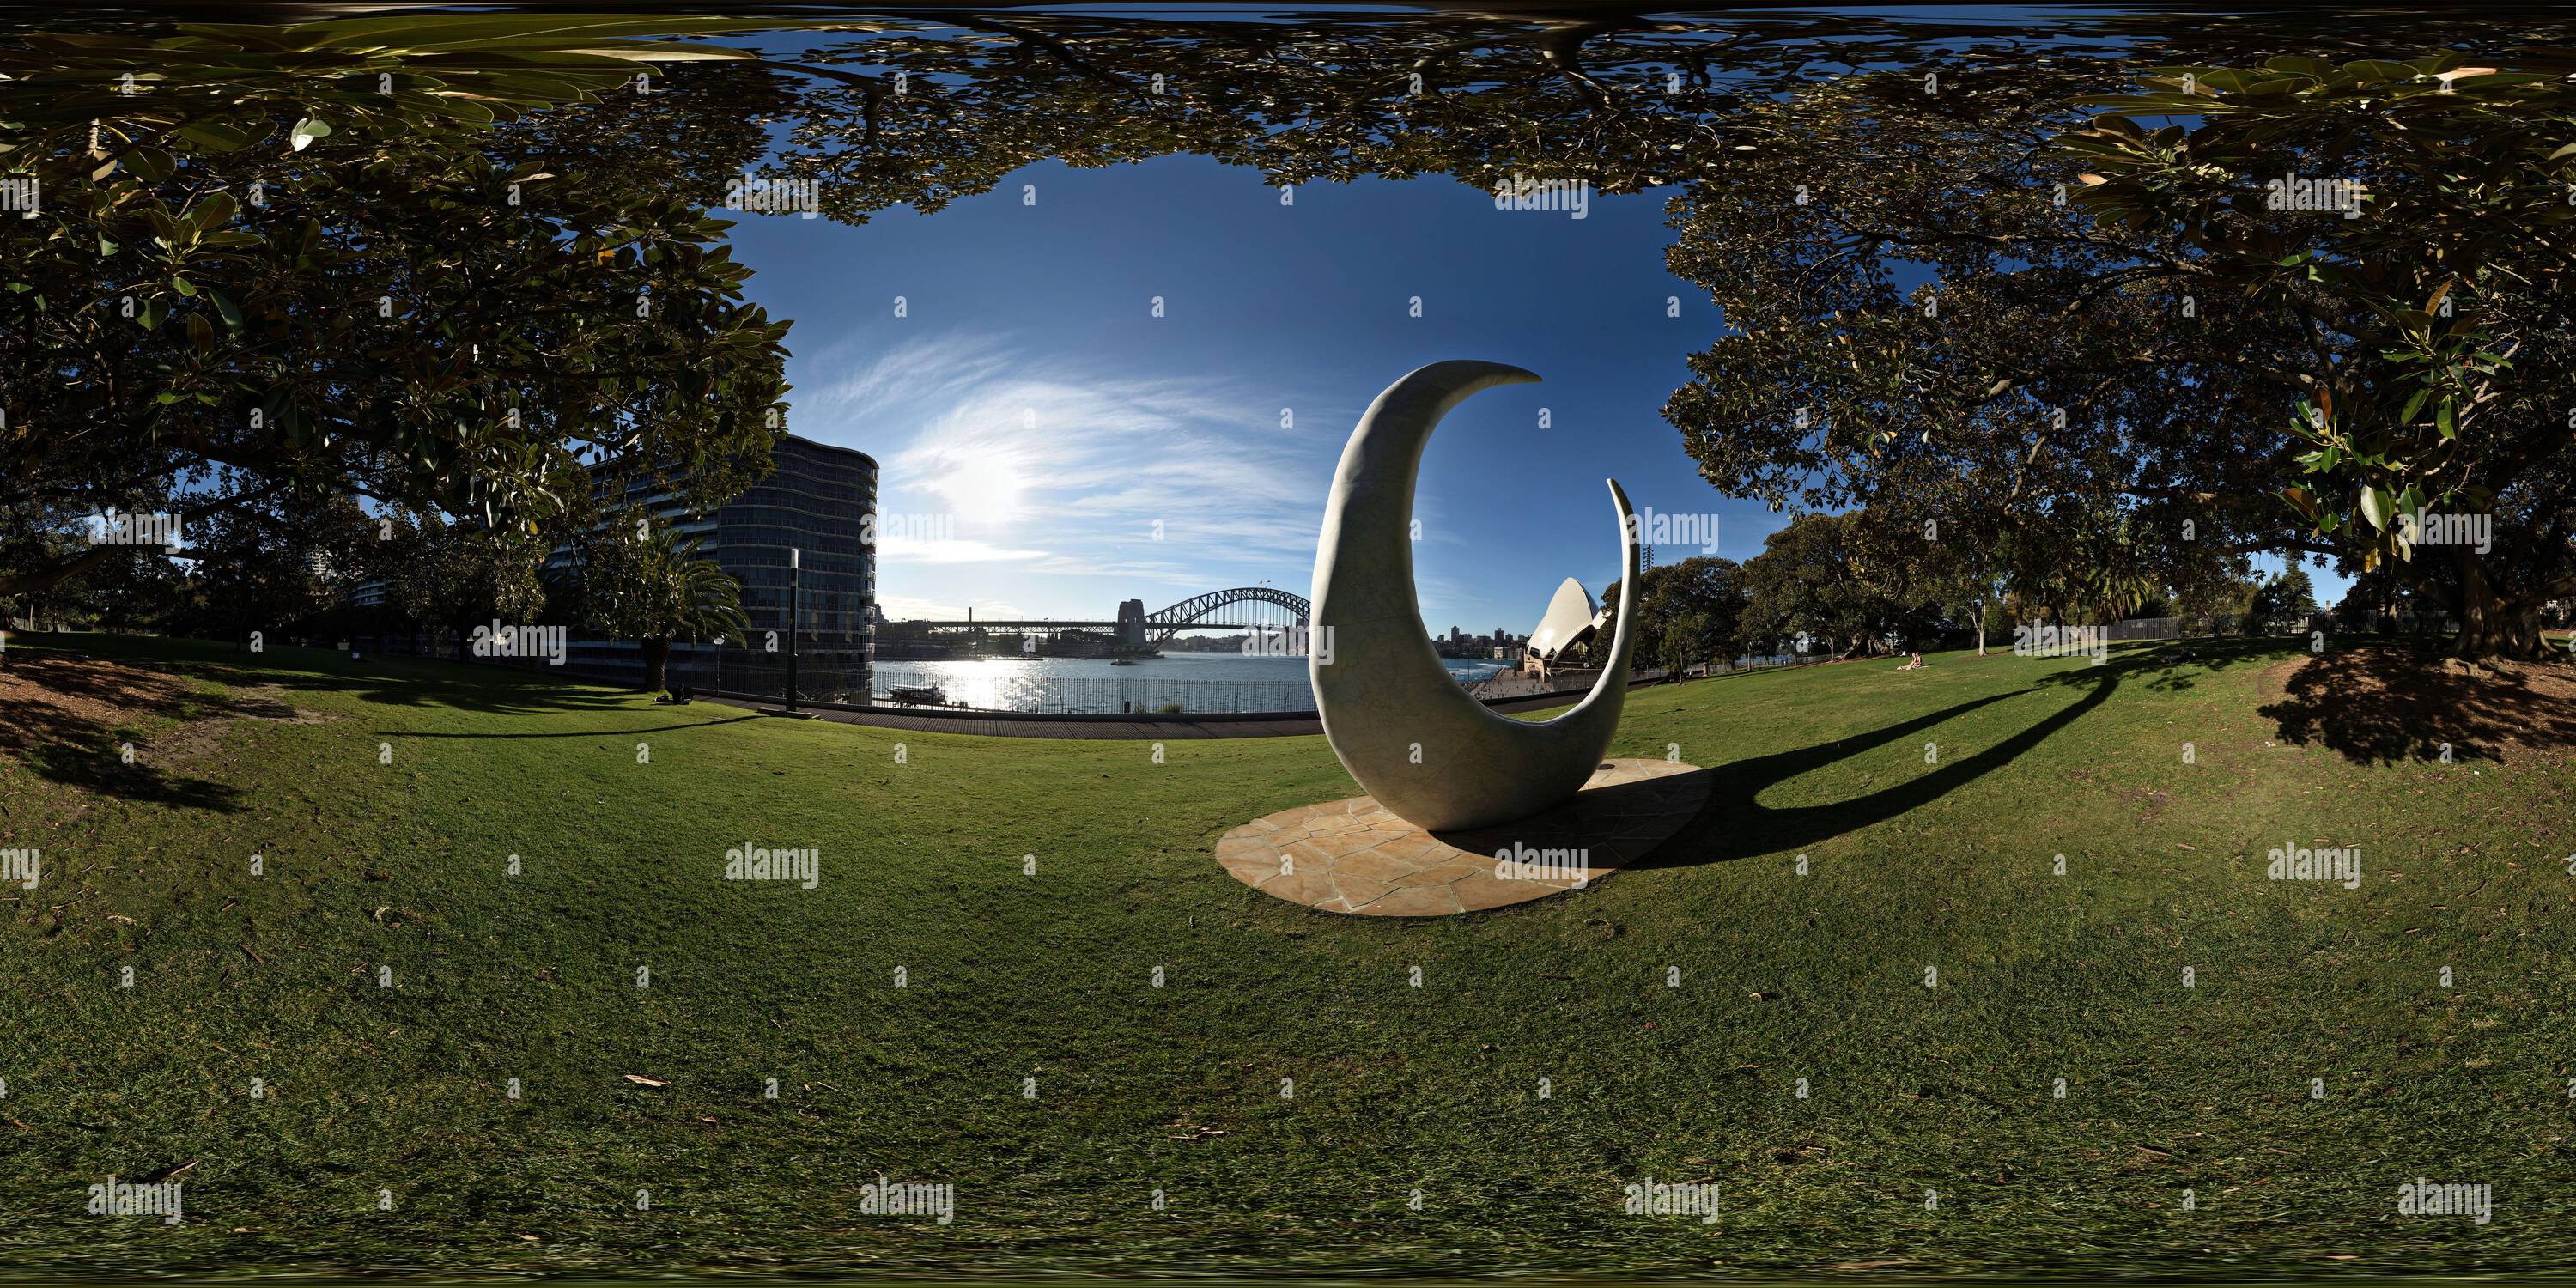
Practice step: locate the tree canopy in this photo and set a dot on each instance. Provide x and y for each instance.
(1938, 306)
(273, 260)
(2031, 294)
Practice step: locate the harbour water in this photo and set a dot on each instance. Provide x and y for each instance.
(1183, 681)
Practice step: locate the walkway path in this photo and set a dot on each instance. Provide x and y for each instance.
(1286, 724)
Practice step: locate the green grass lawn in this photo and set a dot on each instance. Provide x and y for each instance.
(1545, 1060)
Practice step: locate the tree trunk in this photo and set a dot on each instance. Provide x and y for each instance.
(657, 655)
(2494, 624)
(1981, 628)
(2509, 634)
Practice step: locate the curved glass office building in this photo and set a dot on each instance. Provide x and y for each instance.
(819, 503)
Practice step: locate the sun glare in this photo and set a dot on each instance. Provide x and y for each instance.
(982, 490)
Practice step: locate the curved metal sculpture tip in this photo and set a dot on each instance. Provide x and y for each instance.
(1400, 724)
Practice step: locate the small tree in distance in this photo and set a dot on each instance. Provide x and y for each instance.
(2289, 595)
(1689, 612)
(447, 576)
(635, 580)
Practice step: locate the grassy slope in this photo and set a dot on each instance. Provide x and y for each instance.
(1396, 1088)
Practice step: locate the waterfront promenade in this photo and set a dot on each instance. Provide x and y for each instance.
(1215, 724)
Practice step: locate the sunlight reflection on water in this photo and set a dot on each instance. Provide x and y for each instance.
(1196, 681)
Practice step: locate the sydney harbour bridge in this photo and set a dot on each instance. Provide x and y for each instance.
(1240, 608)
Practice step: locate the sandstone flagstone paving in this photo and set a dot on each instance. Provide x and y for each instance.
(1352, 856)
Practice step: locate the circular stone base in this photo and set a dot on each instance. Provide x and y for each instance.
(1353, 856)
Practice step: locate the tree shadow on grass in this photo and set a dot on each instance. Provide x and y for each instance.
(411, 682)
(67, 719)
(574, 733)
(68, 704)
(2174, 666)
(1735, 824)
(398, 680)
(2382, 702)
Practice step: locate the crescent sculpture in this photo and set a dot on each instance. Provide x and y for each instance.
(1401, 725)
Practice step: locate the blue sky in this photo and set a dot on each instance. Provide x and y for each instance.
(1044, 310)
(1068, 450)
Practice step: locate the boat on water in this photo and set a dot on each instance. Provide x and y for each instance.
(1124, 661)
(918, 695)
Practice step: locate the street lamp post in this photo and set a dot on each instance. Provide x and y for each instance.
(794, 560)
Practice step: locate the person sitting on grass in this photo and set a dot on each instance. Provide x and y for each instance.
(1916, 664)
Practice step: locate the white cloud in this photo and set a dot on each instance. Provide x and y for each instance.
(909, 373)
(1057, 468)
(912, 608)
(908, 550)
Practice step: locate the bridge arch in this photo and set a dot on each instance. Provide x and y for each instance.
(1163, 623)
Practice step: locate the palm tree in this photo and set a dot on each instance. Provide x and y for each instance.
(647, 583)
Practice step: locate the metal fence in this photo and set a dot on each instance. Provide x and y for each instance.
(1085, 696)
(828, 668)
(2230, 624)
(835, 671)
